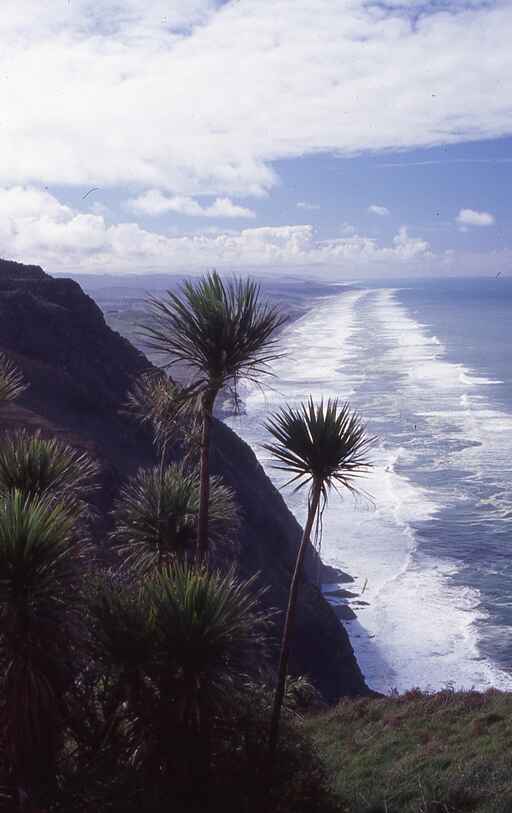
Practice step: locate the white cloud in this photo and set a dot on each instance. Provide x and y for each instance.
(198, 97)
(36, 227)
(382, 211)
(153, 202)
(310, 207)
(408, 248)
(469, 217)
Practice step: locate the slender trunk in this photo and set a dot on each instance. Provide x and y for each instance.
(204, 475)
(203, 750)
(314, 502)
(160, 491)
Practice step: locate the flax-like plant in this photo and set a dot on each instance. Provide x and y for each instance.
(211, 636)
(156, 516)
(211, 625)
(41, 555)
(222, 332)
(178, 653)
(12, 383)
(38, 466)
(160, 403)
(322, 446)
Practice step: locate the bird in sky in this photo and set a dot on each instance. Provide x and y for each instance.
(94, 189)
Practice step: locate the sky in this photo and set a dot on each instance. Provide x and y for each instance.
(344, 138)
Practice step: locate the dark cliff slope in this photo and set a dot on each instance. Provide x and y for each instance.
(79, 372)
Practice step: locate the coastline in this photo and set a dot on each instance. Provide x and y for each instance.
(364, 345)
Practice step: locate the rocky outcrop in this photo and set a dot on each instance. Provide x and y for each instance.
(79, 372)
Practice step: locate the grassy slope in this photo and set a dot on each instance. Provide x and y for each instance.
(419, 753)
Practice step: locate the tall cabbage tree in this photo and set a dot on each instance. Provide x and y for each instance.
(222, 332)
(40, 565)
(156, 516)
(322, 446)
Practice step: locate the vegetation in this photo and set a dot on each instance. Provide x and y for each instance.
(123, 689)
(447, 752)
(321, 446)
(178, 657)
(41, 556)
(118, 694)
(12, 383)
(38, 467)
(156, 515)
(222, 332)
(158, 402)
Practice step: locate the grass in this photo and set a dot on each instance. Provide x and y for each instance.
(449, 752)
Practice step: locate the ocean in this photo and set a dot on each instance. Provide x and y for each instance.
(427, 366)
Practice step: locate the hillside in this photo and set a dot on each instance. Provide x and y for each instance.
(447, 752)
(79, 371)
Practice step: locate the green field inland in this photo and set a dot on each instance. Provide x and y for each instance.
(419, 753)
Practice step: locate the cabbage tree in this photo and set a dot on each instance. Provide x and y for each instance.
(322, 446)
(222, 333)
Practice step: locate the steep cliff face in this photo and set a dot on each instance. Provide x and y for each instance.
(79, 372)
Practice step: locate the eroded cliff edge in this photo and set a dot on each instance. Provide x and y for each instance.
(79, 372)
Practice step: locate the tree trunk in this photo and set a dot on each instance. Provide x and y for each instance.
(314, 502)
(160, 490)
(203, 751)
(204, 475)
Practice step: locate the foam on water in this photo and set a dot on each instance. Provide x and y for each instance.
(438, 434)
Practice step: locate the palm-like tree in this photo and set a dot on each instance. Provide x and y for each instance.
(157, 512)
(222, 333)
(176, 654)
(40, 565)
(322, 446)
(211, 626)
(37, 466)
(12, 383)
(160, 403)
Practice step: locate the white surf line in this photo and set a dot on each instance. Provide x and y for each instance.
(422, 648)
(402, 637)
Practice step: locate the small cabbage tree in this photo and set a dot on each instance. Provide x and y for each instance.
(177, 654)
(156, 516)
(41, 555)
(12, 383)
(222, 332)
(322, 446)
(160, 403)
(37, 466)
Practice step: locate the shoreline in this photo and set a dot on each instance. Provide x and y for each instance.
(399, 634)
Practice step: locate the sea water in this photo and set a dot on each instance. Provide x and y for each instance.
(427, 366)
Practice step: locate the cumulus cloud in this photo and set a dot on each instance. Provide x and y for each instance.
(153, 202)
(36, 227)
(469, 217)
(408, 248)
(303, 204)
(199, 97)
(382, 211)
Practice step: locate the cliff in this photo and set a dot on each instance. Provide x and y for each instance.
(79, 372)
